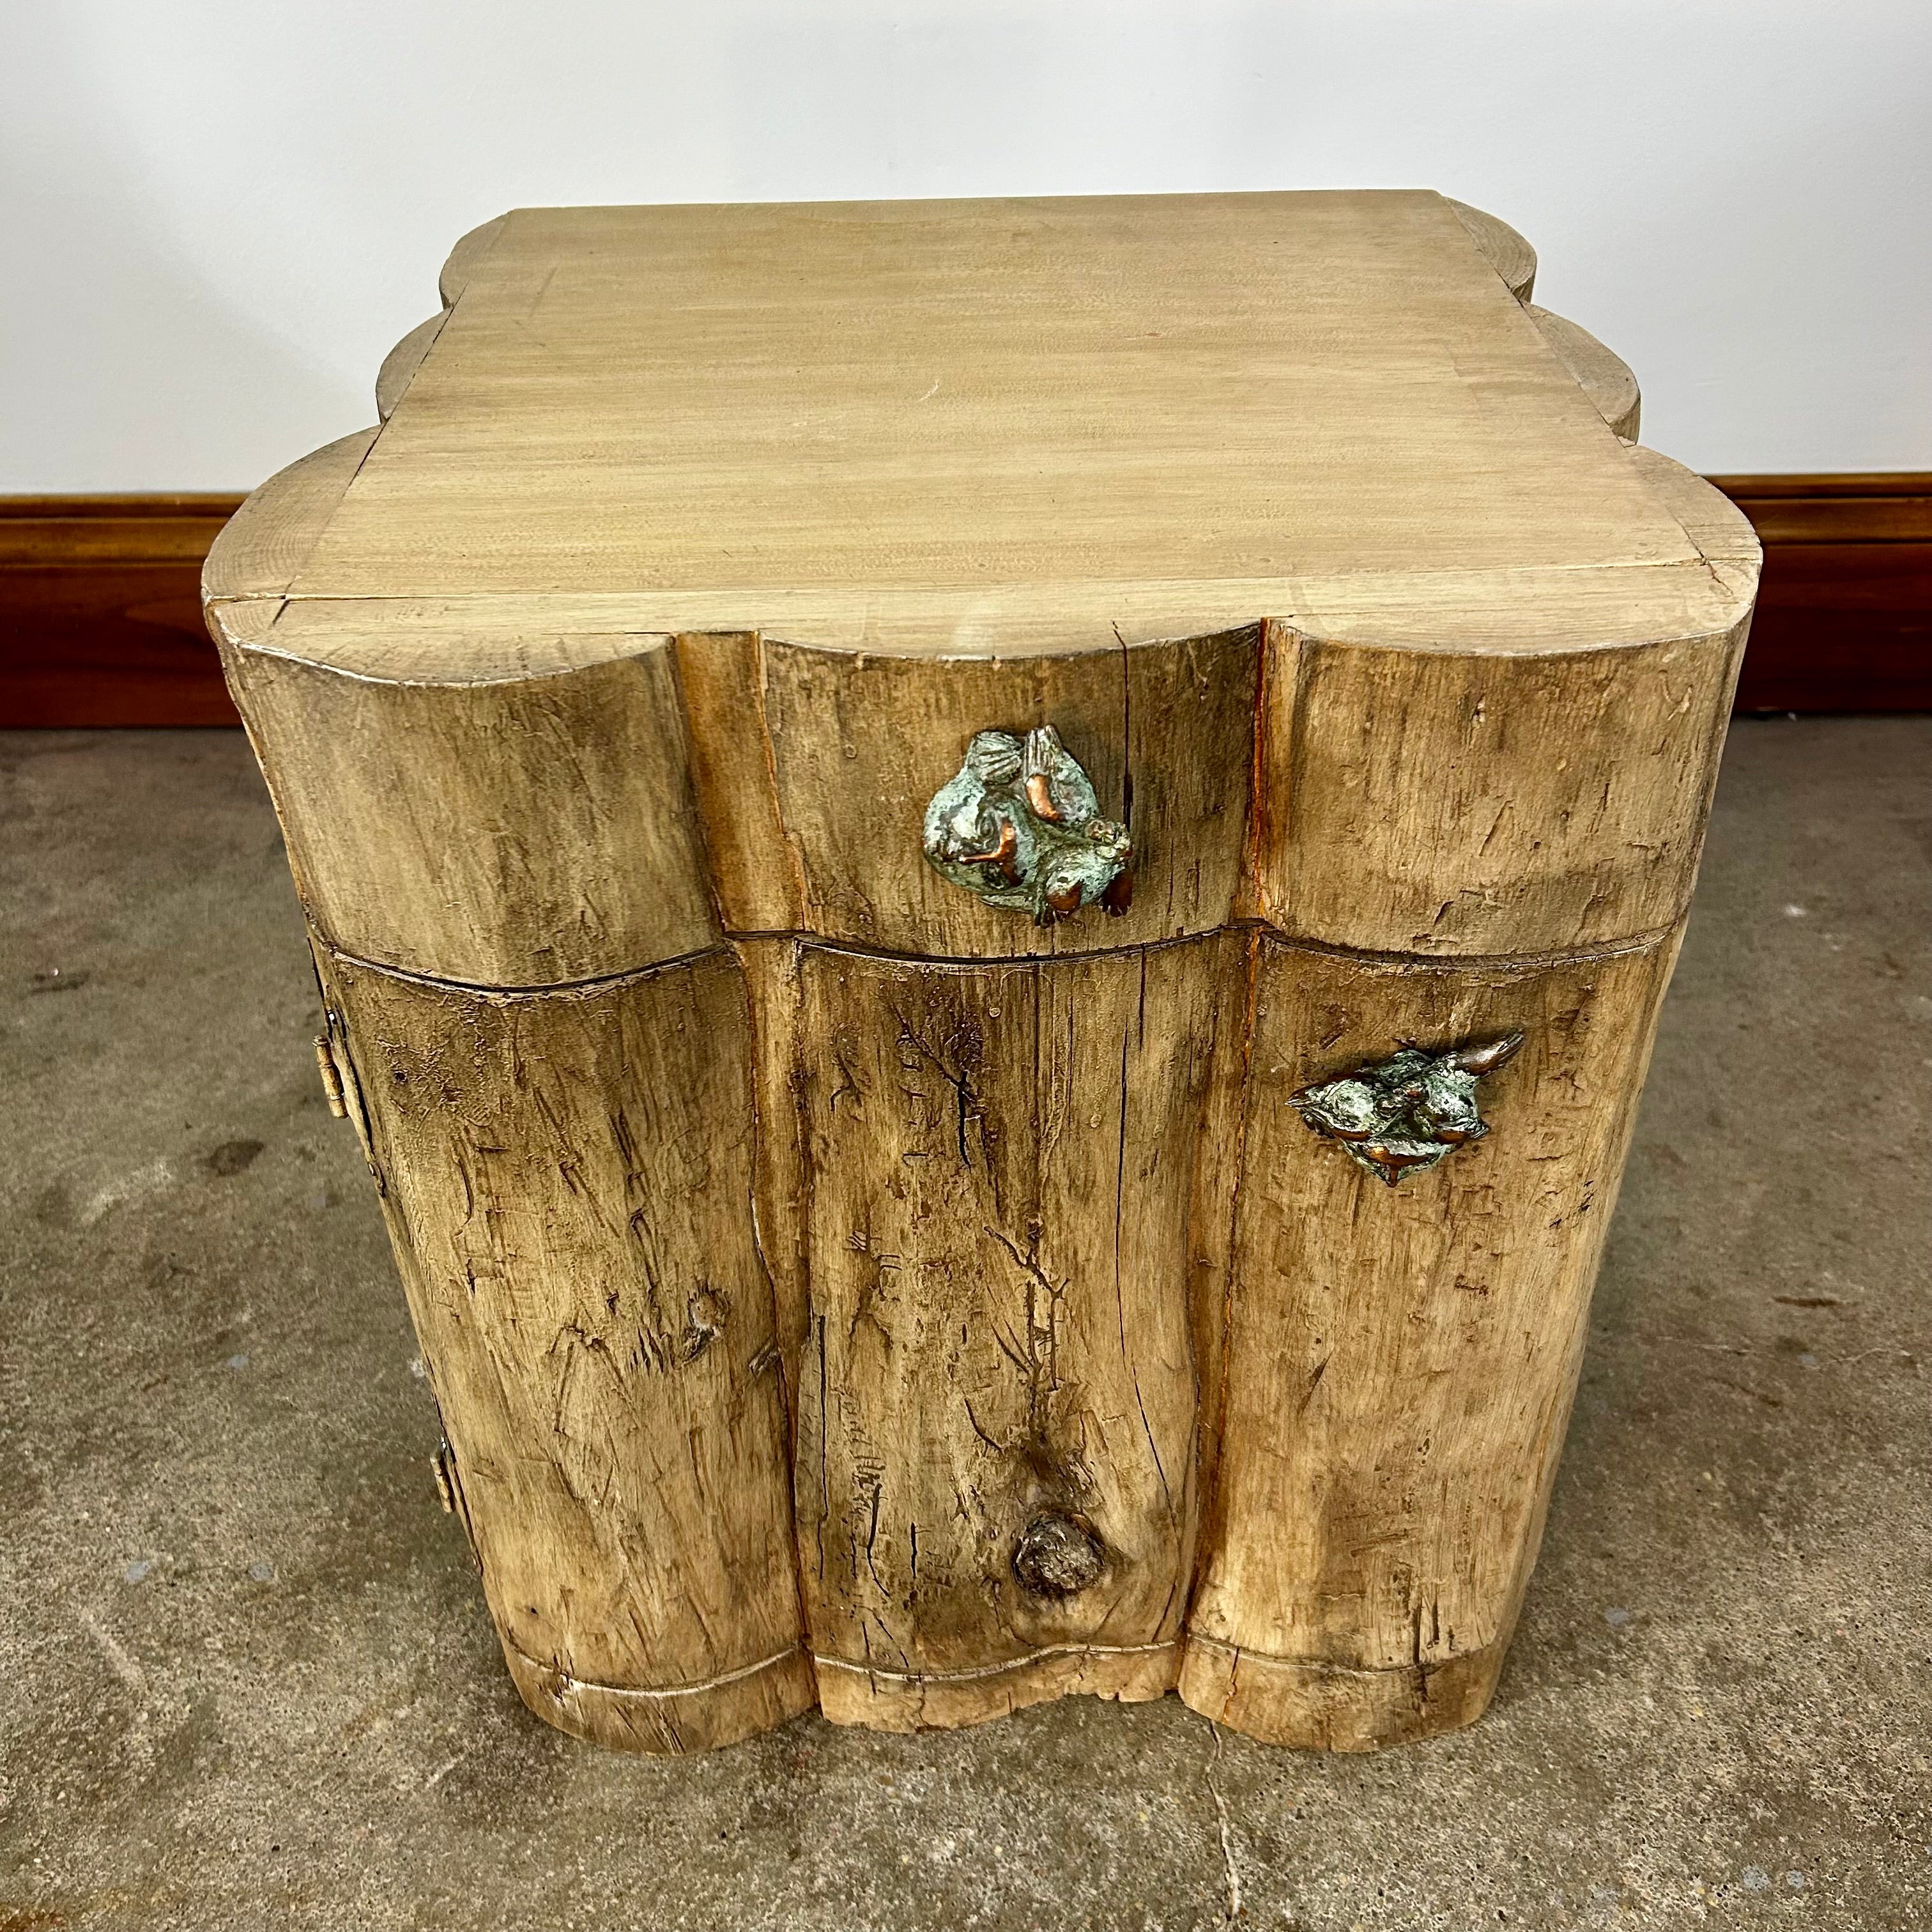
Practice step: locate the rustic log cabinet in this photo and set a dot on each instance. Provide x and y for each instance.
(991, 881)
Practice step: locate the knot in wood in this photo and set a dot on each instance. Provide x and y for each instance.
(1057, 1556)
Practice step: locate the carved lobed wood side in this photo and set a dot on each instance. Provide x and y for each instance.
(998, 1193)
(837, 1183)
(401, 365)
(428, 856)
(859, 746)
(567, 1181)
(462, 261)
(1400, 1362)
(263, 548)
(1413, 796)
(1438, 803)
(1411, 800)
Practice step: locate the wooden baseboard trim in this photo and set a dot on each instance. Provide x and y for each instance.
(101, 608)
(100, 611)
(1844, 615)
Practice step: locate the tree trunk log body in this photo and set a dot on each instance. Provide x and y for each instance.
(1400, 1361)
(566, 1178)
(839, 1284)
(996, 1482)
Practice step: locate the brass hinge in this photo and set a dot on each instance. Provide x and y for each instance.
(449, 1491)
(344, 1097)
(332, 1078)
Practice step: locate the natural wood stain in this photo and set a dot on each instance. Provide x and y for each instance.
(836, 1289)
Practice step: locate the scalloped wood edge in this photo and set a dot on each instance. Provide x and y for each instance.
(1604, 377)
(462, 259)
(1350, 774)
(403, 361)
(264, 547)
(1502, 246)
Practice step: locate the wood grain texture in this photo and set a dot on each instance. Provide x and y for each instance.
(644, 464)
(1500, 611)
(1884, 507)
(755, 873)
(465, 258)
(859, 745)
(401, 794)
(100, 625)
(781, 1060)
(1502, 248)
(401, 365)
(989, 1260)
(1431, 802)
(1722, 532)
(1844, 618)
(44, 532)
(1842, 627)
(1331, 1707)
(101, 644)
(99, 621)
(567, 1181)
(976, 397)
(1606, 379)
(1400, 1362)
(999, 1166)
(405, 807)
(264, 546)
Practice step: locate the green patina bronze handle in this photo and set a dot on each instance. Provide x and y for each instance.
(1409, 1111)
(1019, 826)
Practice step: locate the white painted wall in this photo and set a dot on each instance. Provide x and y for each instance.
(217, 215)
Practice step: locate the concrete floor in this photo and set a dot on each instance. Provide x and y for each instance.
(248, 1678)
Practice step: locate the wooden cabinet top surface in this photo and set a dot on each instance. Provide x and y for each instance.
(1004, 427)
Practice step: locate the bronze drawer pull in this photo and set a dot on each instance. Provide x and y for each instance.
(1020, 826)
(1406, 1112)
